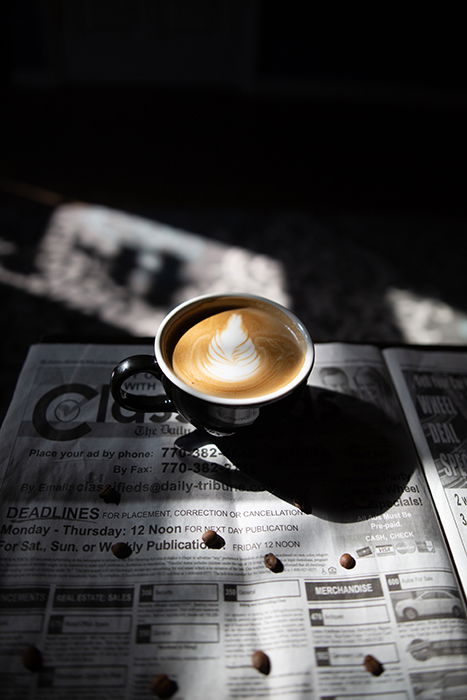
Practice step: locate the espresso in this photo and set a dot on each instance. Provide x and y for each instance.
(243, 352)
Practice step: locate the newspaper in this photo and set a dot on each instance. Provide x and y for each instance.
(433, 387)
(105, 573)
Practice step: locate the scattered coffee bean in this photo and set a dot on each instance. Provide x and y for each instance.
(163, 686)
(261, 662)
(32, 658)
(347, 561)
(121, 550)
(109, 494)
(302, 502)
(213, 540)
(372, 665)
(272, 563)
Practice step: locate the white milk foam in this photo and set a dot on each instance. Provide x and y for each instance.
(232, 354)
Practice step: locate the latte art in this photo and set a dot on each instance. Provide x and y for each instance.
(231, 353)
(238, 353)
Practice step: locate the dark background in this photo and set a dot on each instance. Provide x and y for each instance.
(226, 116)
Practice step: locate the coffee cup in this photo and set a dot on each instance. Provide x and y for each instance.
(222, 359)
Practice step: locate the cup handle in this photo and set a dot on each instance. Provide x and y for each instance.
(137, 402)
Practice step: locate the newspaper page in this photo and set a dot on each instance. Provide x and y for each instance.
(433, 387)
(328, 577)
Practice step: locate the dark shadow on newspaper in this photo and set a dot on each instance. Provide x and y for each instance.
(330, 454)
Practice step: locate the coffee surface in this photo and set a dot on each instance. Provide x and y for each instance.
(239, 353)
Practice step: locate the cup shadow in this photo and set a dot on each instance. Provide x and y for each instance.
(329, 454)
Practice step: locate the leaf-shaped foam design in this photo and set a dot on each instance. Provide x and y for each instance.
(232, 354)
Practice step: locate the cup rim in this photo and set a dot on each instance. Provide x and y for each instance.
(232, 401)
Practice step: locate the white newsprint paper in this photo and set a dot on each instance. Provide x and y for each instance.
(334, 472)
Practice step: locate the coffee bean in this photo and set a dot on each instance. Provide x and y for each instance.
(32, 658)
(261, 662)
(273, 563)
(372, 665)
(303, 504)
(213, 540)
(347, 561)
(163, 686)
(121, 550)
(109, 494)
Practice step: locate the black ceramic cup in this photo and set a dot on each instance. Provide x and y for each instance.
(212, 413)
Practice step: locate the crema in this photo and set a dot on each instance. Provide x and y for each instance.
(242, 352)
